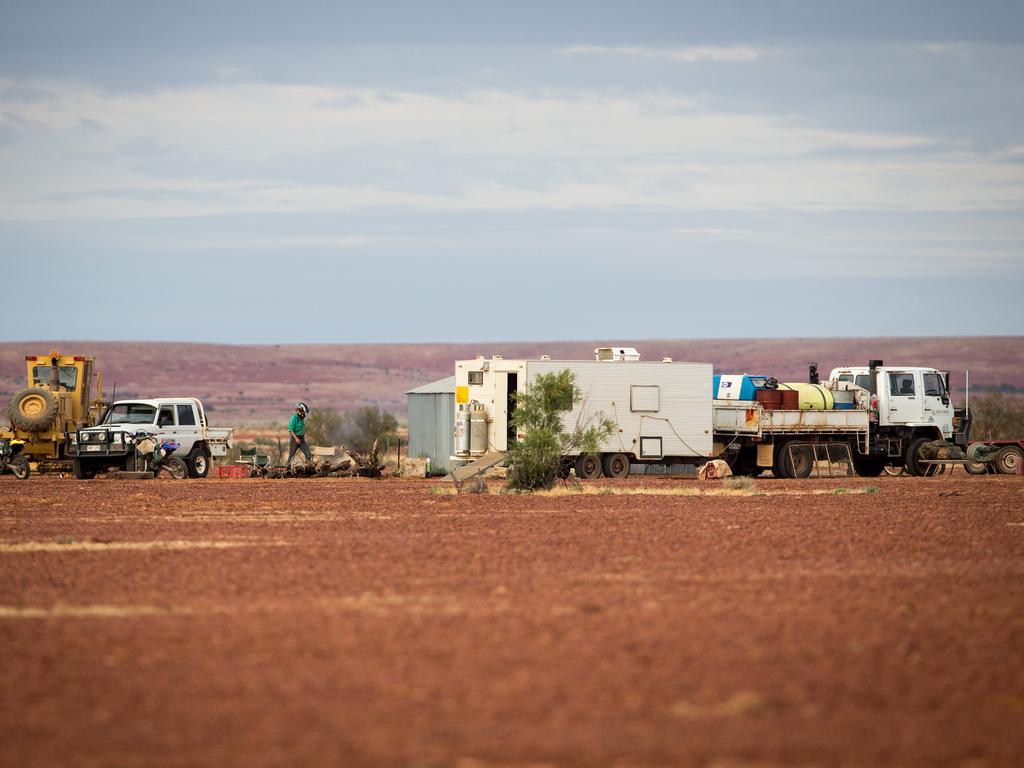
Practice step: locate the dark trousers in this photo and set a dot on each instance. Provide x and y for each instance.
(298, 446)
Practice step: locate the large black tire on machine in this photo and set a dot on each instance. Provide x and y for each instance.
(33, 409)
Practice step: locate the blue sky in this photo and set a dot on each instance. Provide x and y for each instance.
(315, 172)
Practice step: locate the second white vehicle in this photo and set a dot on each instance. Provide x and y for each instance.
(182, 419)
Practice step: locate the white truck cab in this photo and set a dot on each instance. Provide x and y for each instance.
(181, 419)
(906, 396)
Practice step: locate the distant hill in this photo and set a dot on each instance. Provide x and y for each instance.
(254, 384)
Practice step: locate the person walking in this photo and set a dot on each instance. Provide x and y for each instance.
(297, 434)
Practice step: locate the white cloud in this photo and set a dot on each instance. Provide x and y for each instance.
(708, 231)
(84, 152)
(735, 53)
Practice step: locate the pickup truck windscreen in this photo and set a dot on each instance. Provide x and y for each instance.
(130, 413)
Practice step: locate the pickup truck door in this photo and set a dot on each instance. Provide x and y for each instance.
(905, 398)
(188, 426)
(165, 424)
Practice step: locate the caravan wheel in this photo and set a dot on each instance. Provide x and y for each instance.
(588, 466)
(615, 465)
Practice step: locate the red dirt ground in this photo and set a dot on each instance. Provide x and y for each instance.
(360, 622)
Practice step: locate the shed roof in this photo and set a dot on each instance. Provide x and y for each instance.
(445, 386)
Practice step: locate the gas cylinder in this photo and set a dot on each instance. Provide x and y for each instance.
(462, 430)
(477, 429)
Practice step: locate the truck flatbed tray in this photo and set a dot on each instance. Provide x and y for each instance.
(749, 418)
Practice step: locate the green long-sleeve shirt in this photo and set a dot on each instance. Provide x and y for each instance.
(297, 425)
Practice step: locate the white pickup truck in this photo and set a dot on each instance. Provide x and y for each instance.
(182, 419)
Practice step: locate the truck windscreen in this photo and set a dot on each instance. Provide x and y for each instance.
(130, 413)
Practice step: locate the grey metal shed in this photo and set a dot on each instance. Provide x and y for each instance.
(432, 422)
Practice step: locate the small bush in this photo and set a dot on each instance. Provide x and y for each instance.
(840, 490)
(473, 485)
(739, 483)
(323, 427)
(872, 489)
(365, 426)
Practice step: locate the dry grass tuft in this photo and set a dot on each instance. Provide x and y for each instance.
(739, 484)
(742, 704)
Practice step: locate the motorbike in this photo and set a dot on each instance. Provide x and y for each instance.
(11, 459)
(155, 454)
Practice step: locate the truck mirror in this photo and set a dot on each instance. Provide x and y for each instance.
(945, 398)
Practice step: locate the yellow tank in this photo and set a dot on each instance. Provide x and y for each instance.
(813, 397)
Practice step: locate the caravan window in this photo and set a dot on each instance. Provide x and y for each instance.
(644, 398)
(476, 378)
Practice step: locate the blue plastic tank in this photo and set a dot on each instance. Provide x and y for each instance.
(739, 386)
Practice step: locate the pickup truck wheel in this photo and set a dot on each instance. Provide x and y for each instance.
(913, 457)
(588, 466)
(84, 470)
(1007, 460)
(33, 409)
(893, 471)
(198, 463)
(615, 465)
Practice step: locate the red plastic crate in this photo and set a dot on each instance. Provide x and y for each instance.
(238, 471)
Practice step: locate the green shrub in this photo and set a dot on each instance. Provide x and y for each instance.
(324, 427)
(364, 426)
(535, 461)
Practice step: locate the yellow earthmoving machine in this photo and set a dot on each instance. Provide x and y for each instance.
(64, 394)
